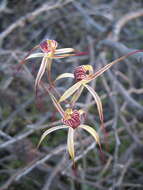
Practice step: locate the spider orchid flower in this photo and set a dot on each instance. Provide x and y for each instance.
(49, 52)
(83, 75)
(71, 120)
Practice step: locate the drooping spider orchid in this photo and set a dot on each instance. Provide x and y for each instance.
(71, 119)
(83, 75)
(49, 52)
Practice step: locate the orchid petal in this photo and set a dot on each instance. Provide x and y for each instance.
(57, 105)
(70, 142)
(77, 95)
(41, 71)
(50, 131)
(64, 50)
(34, 55)
(97, 100)
(88, 68)
(62, 56)
(70, 91)
(92, 132)
(106, 67)
(29, 53)
(49, 64)
(65, 75)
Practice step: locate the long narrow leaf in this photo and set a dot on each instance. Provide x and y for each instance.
(50, 131)
(70, 142)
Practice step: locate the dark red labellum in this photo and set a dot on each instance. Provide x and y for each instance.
(44, 46)
(74, 121)
(79, 73)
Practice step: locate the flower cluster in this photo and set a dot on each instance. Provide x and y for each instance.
(71, 118)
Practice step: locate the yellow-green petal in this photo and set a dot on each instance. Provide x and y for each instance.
(41, 72)
(70, 91)
(92, 132)
(97, 100)
(106, 67)
(64, 50)
(77, 94)
(50, 131)
(70, 142)
(62, 56)
(65, 75)
(35, 55)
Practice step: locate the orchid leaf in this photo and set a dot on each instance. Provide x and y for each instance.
(50, 131)
(70, 142)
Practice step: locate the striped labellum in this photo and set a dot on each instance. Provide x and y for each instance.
(72, 118)
(83, 72)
